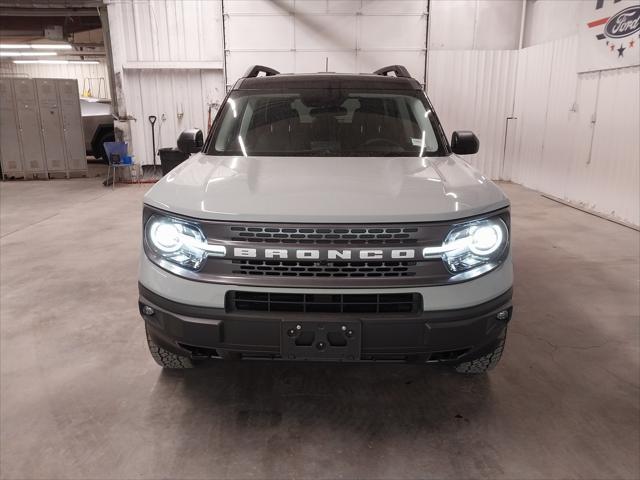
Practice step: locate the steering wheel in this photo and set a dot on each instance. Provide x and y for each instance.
(381, 142)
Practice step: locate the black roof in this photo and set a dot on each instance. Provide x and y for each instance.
(327, 80)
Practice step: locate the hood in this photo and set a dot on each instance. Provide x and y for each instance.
(326, 189)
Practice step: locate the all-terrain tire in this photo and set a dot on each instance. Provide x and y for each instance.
(100, 153)
(167, 359)
(485, 363)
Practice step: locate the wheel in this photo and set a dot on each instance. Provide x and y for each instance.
(100, 152)
(165, 358)
(485, 363)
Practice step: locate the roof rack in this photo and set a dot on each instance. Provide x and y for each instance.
(255, 70)
(399, 70)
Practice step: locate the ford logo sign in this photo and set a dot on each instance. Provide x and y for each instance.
(624, 23)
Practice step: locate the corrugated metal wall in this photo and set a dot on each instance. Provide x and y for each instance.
(526, 132)
(187, 34)
(473, 90)
(158, 30)
(576, 136)
(475, 24)
(93, 79)
(613, 169)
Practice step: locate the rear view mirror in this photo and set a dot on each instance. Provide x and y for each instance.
(191, 141)
(464, 142)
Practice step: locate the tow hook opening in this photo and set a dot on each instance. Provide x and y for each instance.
(449, 355)
(200, 352)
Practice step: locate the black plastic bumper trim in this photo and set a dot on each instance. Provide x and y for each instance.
(215, 313)
(184, 329)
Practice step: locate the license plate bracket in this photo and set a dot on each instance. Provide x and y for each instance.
(313, 340)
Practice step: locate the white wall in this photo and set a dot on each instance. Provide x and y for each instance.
(168, 60)
(93, 78)
(299, 36)
(471, 71)
(475, 24)
(549, 20)
(473, 90)
(573, 136)
(576, 137)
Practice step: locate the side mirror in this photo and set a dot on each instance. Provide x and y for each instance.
(190, 141)
(464, 142)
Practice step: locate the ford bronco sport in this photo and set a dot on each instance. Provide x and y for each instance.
(326, 218)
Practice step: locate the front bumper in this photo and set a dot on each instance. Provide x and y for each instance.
(455, 335)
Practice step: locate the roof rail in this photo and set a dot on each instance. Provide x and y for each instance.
(255, 70)
(399, 70)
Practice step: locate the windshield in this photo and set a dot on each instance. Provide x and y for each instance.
(327, 122)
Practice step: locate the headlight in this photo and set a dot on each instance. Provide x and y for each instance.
(179, 242)
(474, 247)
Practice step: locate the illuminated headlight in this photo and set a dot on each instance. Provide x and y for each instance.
(474, 247)
(179, 242)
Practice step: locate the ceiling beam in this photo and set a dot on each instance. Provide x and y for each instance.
(48, 12)
(10, 25)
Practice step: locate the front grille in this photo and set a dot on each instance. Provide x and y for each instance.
(324, 269)
(324, 303)
(320, 269)
(326, 272)
(324, 235)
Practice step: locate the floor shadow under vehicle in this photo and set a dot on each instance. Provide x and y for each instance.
(348, 408)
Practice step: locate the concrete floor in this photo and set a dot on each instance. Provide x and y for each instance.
(81, 397)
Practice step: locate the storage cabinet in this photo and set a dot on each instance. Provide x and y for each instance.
(33, 161)
(41, 128)
(72, 125)
(10, 155)
(51, 122)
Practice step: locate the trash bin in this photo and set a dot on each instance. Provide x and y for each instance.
(170, 158)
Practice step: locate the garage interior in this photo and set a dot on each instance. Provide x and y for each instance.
(80, 397)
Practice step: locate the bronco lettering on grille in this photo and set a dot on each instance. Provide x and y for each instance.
(325, 254)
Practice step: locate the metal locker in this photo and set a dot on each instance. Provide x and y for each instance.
(72, 124)
(51, 121)
(10, 154)
(30, 132)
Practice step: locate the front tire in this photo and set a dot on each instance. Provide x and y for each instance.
(99, 152)
(165, 358)
(486, 362)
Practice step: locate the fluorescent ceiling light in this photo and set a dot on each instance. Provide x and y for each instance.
(59, 62)
(35, 46)
(27, 54)
(51, 46)
(13, 46)
(49, 62)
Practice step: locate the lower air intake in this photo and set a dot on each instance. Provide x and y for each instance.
(324, 303)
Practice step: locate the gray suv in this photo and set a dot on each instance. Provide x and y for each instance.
(326, 218)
